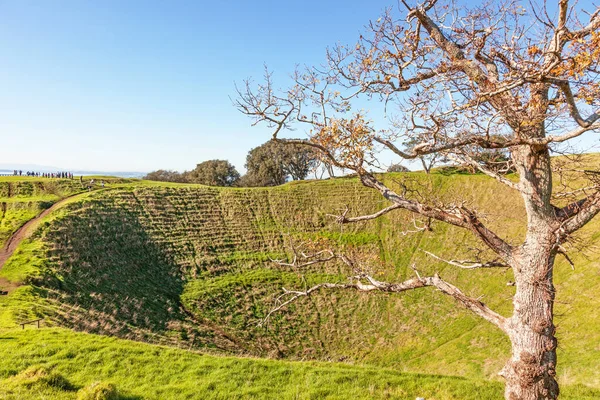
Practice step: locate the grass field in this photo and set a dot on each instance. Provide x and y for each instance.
(188, 266)
(70, 362)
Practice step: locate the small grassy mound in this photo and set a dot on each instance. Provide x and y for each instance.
(36, 379)
(99, 391)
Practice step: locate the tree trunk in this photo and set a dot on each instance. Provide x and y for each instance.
(531, 371)
(426, 167)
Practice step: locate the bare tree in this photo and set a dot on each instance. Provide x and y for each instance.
(322, 167)
(505, 75)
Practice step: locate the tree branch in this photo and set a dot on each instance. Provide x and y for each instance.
(302, 259)
(592, 26)
(468, 160)
(424, 149)
(343, 219)
(562, 138)
(457, 216)
(467, 264)
(453, 51)
(565, 87)
(356, 283)
(579, 213)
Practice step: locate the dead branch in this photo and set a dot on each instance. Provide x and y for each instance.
(358, 283)
(469, 264)
(343, 219)
(563, 252)
(303, 260)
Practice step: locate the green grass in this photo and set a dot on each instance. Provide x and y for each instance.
(14, 214)
(188, 265)
(22, 198)
(22, 305)
(74, 361)
(26, 263)
(46, 198)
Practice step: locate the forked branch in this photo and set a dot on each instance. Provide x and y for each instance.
(457, 216)
(366, 283)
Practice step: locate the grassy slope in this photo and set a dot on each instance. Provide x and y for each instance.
(217, 234)
(22, 198)
(15, 214)
(75, 360)
(217, 240)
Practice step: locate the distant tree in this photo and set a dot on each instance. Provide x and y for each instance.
(496, 160)
(247, 180)
(298, 161)
(323, 167)
(272, 163)
(264, 167)
(214, 173)
(166, 176)
(427, 160)
(397, 168)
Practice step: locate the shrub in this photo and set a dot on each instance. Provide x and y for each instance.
(397, 168)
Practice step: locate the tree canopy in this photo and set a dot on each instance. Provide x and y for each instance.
(397, 168)
(273, 163)
(211, 173)
(214, 173)
(166, 176)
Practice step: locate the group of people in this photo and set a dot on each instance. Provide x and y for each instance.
(62, 175)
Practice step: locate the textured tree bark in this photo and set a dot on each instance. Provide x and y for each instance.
(530, 372)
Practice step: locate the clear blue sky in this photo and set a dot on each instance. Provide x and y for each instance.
(143, 85)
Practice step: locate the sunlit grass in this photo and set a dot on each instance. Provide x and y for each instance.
(121, 260)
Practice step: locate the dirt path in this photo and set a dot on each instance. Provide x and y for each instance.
(22, 233)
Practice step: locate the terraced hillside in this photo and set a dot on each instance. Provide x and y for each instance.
(188, 266)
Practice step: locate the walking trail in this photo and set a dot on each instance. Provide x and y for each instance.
(22, 233)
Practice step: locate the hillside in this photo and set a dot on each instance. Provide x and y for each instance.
(188, 266)
(22, 198)
(56, 363)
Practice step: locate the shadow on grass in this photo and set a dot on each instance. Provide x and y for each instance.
(107, 275)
